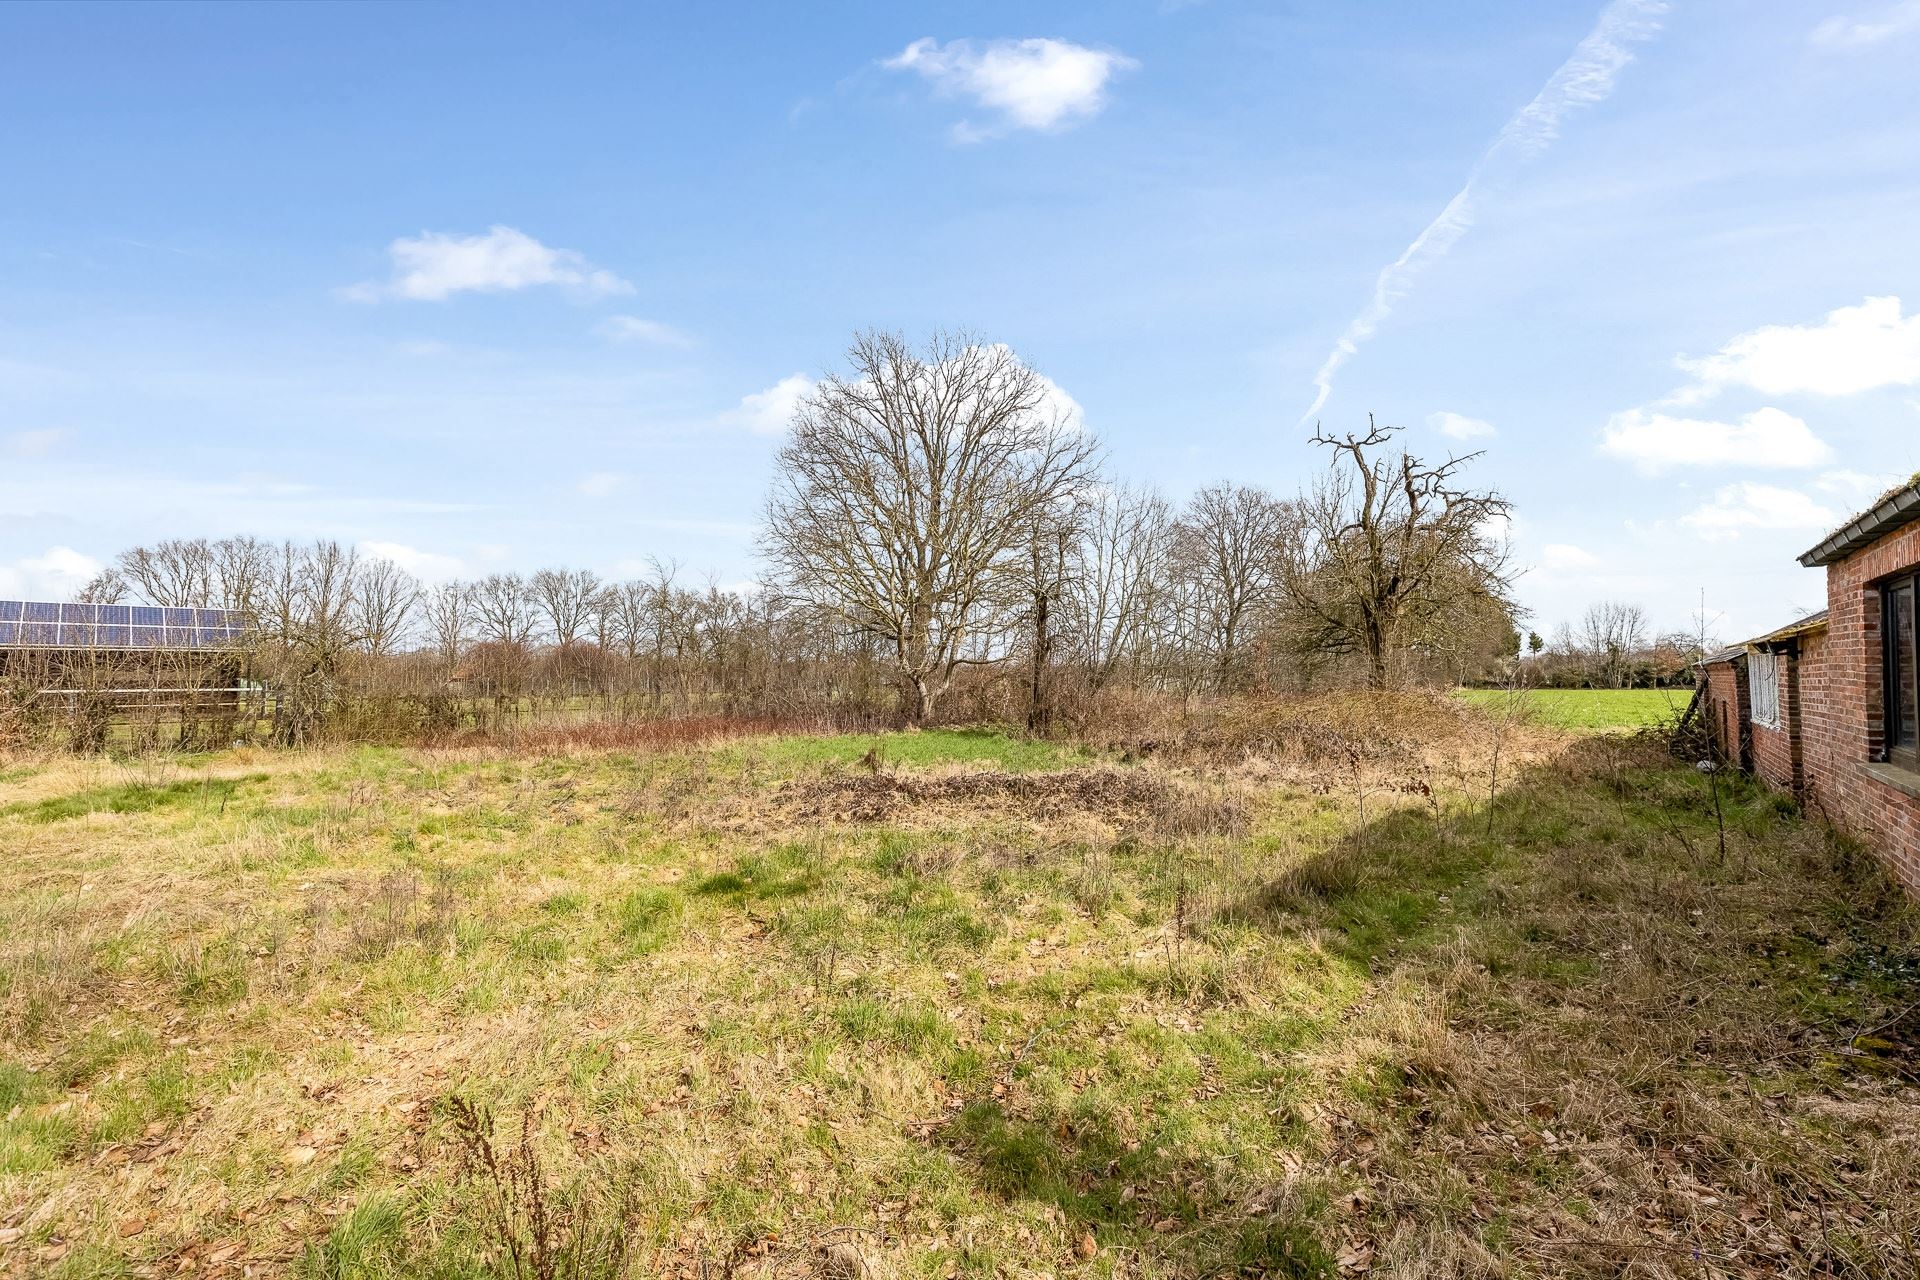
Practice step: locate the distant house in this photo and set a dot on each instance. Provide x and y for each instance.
(1829, 706)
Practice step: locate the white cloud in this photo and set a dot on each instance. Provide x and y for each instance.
(1564, 557)
(1498, 527)
(1459, 426)
(428, 566)
(32, 444)
(601, 484)
(437, 264)
(1060, 407)
(56, 575)
(1585, 78)
(1738, 507)
(1047, 85)
(635, 330)
(1854, 349)
(1859, 32)
(769, 412)
(1764, 438)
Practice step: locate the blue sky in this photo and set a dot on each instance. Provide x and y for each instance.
(493, 287)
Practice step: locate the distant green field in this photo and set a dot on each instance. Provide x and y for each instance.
(1590, 708)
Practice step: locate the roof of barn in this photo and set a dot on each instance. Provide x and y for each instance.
(1894, 509)
(1792, 631)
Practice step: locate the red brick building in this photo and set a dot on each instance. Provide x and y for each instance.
(1829, 706)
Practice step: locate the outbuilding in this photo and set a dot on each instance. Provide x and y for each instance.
(1828, 707)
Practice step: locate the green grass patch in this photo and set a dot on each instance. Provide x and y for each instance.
(1592, 709)
(133, 797)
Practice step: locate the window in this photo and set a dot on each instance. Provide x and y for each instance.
(1902, 674)
(1763, 675)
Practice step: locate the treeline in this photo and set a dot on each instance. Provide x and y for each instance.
(343, 643)
(1614, 646)
(941, 541)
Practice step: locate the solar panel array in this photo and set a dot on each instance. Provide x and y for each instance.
(27, 624)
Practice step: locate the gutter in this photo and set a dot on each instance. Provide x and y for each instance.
(1898, 509)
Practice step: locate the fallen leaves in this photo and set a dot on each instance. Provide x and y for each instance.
(1355, 1257)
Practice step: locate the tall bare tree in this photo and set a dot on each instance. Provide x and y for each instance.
(1612, 634)
(1224, 554)
(104, 587)
(240, 566)
(503, 610)
(384, 600)
(908, 490)
(448, 613)
(1045, 581)
(307, 621)
(1117, 582)
(177, 572)
(566, 597)
(1388, 551)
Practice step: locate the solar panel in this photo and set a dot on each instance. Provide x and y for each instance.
(38, 624)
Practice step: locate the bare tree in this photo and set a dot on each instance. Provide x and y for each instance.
(177, 572)
(629, 614)
(383, 601)
(1224, 551)
(308, 621)
(448, 613)
(1612, 634)
(503, 610)
(566, 597)
(1045, 580)
(240, 567)
(104, 587)
(603, 617)
(1389, 552)
(906, 495)
(1117, 580)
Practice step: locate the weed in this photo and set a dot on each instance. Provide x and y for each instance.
(537, 1230)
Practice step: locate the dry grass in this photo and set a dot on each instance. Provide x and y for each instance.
(1124, 799)
(675, 733)
(1291, 998)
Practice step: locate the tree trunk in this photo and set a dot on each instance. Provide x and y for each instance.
(920, 700)
(1376, 665)
(1039, 712)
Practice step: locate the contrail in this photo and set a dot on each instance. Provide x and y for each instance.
(1583, 79)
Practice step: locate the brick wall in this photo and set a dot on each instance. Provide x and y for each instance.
(1725, 708)
(1843, 708)
(1779, 750)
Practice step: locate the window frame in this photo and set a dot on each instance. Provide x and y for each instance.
(1903, 755)
(1759, 660)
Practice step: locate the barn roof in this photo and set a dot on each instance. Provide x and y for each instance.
(40, 624)
(1896, 508)
(1780, 635)
(1812, 622)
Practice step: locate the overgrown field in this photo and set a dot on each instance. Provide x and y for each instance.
(1585, 708)
(1300, 1003)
